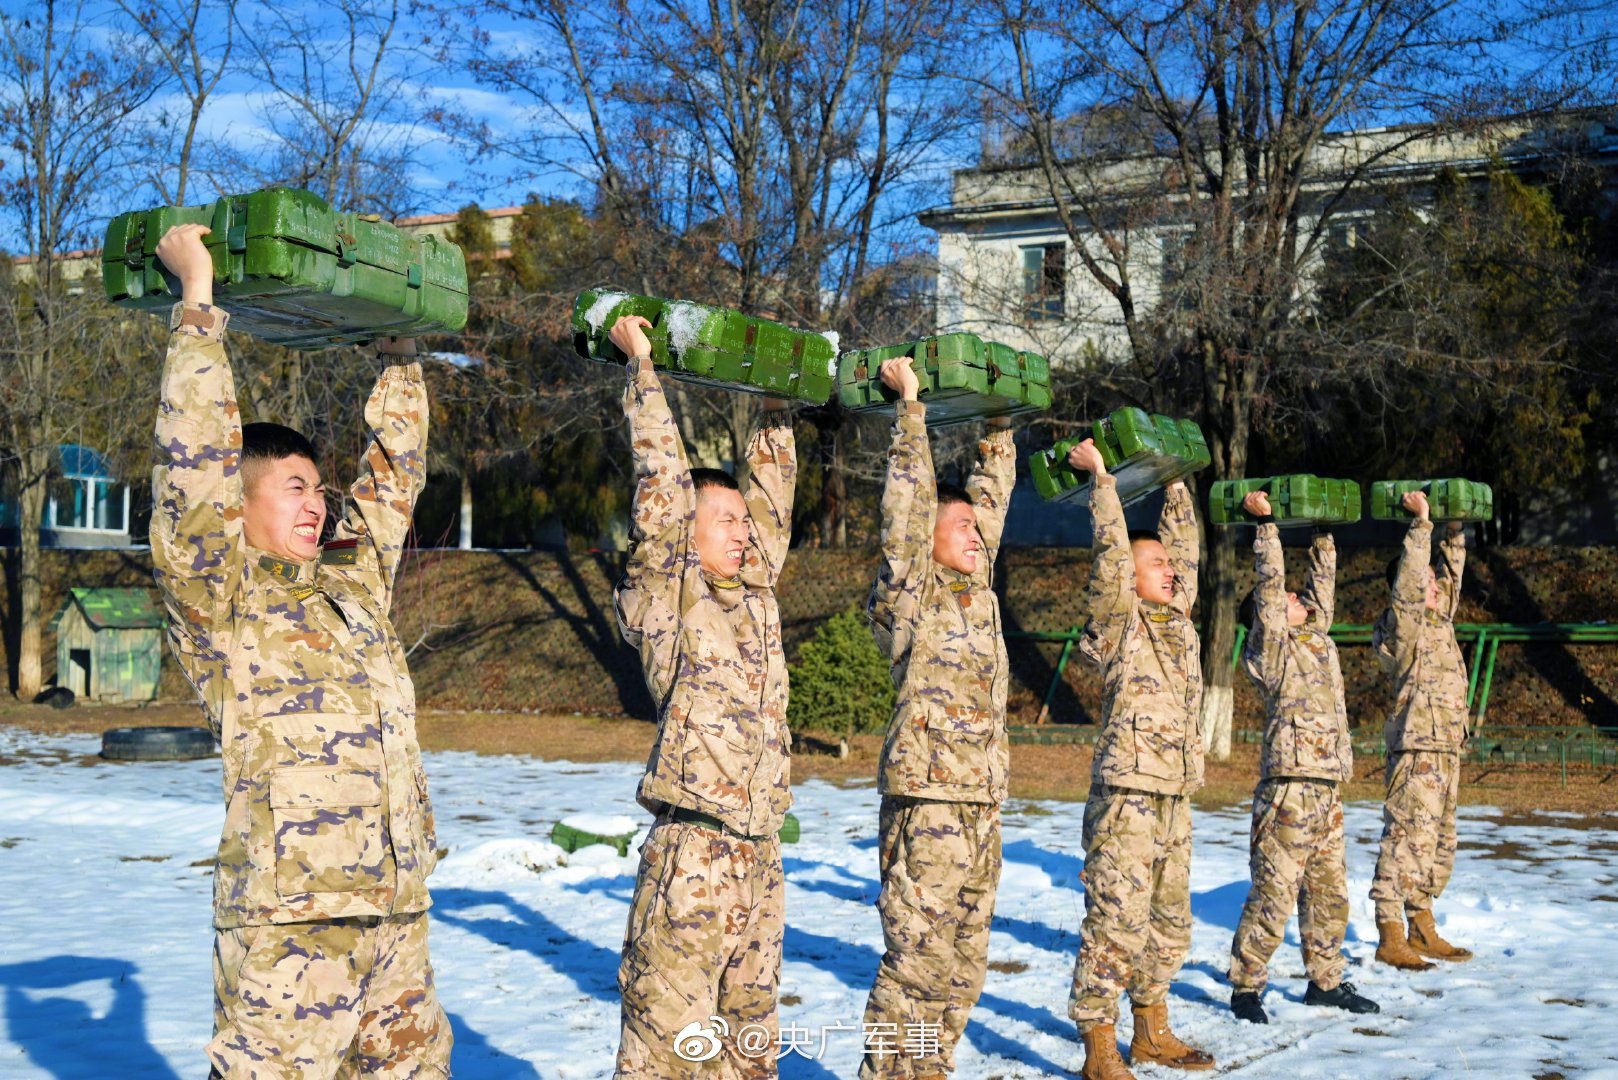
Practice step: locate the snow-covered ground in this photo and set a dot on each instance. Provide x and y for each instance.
(104, 934)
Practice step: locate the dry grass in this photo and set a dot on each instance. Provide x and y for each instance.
(1037, 772)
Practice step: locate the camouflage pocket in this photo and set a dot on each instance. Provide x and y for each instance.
(958, 745)
(328, 830)
(1160, 748)
(718, 755)
(1314, 742)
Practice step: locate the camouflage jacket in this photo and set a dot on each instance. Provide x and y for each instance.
(1295, 667)
(941, 629)
(1417, 647)
(1149, 654)
(300, 673)
(710, 648)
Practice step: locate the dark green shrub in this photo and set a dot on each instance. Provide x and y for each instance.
(841, 682)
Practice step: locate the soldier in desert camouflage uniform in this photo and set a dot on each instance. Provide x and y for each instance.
(944, 761)
(320, 888)
(1415, 642)
(1148, 761)
(1298, 857)
(697, 600)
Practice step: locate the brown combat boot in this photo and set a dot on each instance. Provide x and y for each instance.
(1155, 1043)
(1101, 1058)
(1395, 950)
(1424, 939)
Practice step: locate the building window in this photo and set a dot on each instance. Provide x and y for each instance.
(98, 505)
(86, 496)
(1341, 236)
(1044, 282)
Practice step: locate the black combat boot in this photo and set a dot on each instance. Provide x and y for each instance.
(1246, 1005)
(1343, 997)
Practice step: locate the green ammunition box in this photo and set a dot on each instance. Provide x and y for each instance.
(293, 271)
(963, 378)
(1300, 499)
(1447, 500)
(711, 346)
(1144, 451)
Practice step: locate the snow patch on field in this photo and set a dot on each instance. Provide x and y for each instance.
(105, 901)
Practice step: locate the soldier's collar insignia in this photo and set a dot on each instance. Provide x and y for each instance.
(285, 570)
(1160, 616)
(959, 586)
(341, 552)
(725, 582)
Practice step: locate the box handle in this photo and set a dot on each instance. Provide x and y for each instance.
(236, 233)
(412, 275)
(345, 251)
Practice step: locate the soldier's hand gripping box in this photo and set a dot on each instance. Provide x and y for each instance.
(1299, 499)
(293, 271)
(1144, 451)
(711, 346)
(963, 378)
(1447, 500)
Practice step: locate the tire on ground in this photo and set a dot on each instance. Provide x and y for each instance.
(57, 697)
(158, 744)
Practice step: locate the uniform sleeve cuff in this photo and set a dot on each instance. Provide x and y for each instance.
(1106, 481)
(198, 320)
(911, 408)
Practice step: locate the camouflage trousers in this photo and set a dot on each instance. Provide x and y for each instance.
(1418, 833)
(702, 957)
(1137, 901)
(940, 868)
(1297, 859)
(340, 998)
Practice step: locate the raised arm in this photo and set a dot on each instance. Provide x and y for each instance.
(1267, 639)
(196, 530)
(1110, 595)
(771, 480)
(664, 507)
(909, 509)
(382, 500)
(1322, 584)
(990, 486)
(1182, 539)
(1409, 594)
(1451, 565)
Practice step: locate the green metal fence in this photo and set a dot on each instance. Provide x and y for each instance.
(1538, 745)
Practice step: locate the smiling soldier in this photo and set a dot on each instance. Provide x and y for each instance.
(697, 600)
(945, 759)
(320, 888)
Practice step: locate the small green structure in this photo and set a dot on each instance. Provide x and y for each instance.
(109, 645)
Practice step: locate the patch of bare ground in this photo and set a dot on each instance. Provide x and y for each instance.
(1524, 794)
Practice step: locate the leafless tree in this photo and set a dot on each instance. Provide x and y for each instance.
(193, 42)
(67, 99)
(1211, 126)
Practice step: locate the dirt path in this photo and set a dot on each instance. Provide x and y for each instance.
(1037, 772)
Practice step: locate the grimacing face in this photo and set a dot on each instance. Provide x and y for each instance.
(1154, 574)
(956, 543)
(283, 507)
(722, 530)
(1297, 610)
(1433, 600)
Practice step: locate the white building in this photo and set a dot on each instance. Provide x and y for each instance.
(1008, 271)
